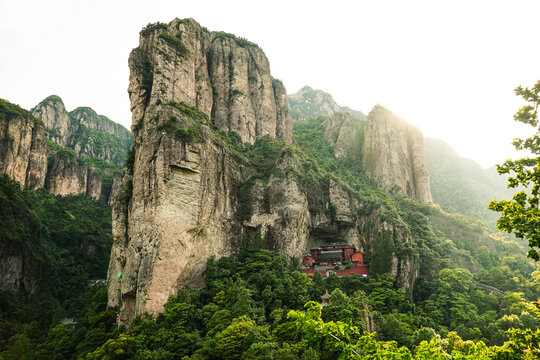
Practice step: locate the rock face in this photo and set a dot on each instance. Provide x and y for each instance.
(23, 147)
(15, 278)
(56, 118)
(90, 135)
(227, 78)
(188, 196)
(182, 192)
(91, 127)
(88, 117)
(394, 155)
(68, 175)
(345, 134)
(307, 103)
(25, 155)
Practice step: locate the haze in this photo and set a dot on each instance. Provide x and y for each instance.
(449, 67)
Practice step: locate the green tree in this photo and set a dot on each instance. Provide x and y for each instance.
(521, 215)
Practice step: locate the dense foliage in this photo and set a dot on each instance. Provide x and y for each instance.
(521, 215)
(9, 109)
(64, 243)
(261, 307)
(472, 300)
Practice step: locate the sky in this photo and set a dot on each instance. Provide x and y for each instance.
(449, 67)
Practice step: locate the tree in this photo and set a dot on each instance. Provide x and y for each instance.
(521, 215)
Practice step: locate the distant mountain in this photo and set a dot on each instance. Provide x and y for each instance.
(460, 185)
(90, 135)
(66, 153)
(307, 103)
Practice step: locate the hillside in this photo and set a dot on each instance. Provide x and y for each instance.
(90, 135)
(221, 199)
(308, 103)
(49, 154)
(460, 185)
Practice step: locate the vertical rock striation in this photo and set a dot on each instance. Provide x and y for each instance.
(394, 155)
(178, 207)
(23, 146)
(90, 135)
(54, 115)
(187, 196)
(344, 133)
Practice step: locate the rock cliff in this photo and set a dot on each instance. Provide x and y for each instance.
(57, 120)
(226, 77)
(193, 190)
(394, 155)
(308, 103)
(90, 135)
(69, 174)
(23, 146)
(345, 134)
(27, 157)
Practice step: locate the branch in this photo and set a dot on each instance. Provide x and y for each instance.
(338, 339)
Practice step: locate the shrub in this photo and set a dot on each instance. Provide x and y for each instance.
(152, 27)
(175, 43)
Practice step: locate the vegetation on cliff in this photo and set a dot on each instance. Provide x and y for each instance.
(84, 131)
(65, 243)
(309, 103)
(260, 307)
(10, 109)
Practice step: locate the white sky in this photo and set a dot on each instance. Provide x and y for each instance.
(449, 67)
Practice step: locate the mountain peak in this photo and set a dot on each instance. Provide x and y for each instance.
(308, 102)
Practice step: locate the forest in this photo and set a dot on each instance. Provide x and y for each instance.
(472, 300)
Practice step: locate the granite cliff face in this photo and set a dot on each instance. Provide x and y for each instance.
(29, 158)
(225, 77)
(68, 175)
(90, 135)
(182, 191)
(193, 192)
(56, 118)
(23, 146)
(394, 155)
(308, 103)
(345, 134)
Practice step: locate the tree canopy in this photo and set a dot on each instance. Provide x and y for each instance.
(521, 215)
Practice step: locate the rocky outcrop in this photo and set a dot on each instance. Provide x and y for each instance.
(308, 103)
(19, 270)
(115, 188)
(394, 155)
(345, 134)
(188, 196)
(99, 137)
(67, 175)
(57, 120)
(90, 135)
(27, 157)
(176, 211)
(23, 146)
(226, 77)
(100, 123)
